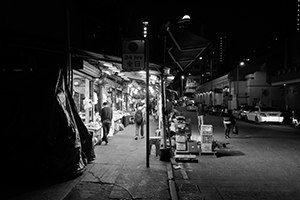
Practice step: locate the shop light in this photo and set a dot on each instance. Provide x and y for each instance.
(152, 77)
(107, 64)
(170, 78)
(142, 72)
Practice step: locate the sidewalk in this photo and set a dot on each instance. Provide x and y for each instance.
(118, 172)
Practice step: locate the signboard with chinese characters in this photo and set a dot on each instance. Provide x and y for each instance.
(133, 57)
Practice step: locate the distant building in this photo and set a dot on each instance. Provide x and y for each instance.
(291, 16)
(222, 49)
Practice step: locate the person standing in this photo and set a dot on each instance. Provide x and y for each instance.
(139, 122)
(200, 115)
(106, 119)
(228, 120)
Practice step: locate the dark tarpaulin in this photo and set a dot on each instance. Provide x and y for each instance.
(42, 134)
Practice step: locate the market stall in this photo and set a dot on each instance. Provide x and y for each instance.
(95, 129)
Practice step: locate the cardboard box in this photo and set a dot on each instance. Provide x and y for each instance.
(180, 138)
(180, 146)
(207, 128)
(180, 132)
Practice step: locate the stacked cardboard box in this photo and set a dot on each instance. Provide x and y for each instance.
(181, 140)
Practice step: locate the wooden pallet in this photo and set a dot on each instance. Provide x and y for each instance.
(185, 156)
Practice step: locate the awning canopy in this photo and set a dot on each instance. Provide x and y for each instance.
(112, 66)
(185, 47)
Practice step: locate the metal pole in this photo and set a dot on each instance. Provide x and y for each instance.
(237, 85)
(164, 112)
(182, 93)
(147, 101)
(211, 81)
(181, 86)
(69, 74)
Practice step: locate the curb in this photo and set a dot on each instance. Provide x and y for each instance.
(171, 180)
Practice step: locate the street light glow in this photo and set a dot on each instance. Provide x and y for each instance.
(186, 17)
(145, 25)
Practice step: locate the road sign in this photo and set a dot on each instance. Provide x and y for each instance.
(133, 57)
(133, 61)
(133, 46)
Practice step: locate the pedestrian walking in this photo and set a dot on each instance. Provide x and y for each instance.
(200, 114)
(234, 128)
(228, 121)
(139, 119)
(106, 119)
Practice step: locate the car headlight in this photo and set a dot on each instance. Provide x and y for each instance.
(263, 114)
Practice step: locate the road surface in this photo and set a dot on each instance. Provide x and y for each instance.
(261, 162)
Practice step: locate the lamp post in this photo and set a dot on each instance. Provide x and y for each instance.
(182, 77)
(237, 82)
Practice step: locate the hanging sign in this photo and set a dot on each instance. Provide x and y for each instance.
(133, 57)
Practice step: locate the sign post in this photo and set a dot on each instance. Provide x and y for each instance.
(133, 57)
(147, 105)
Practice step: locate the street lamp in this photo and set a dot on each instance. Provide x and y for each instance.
(182, 77)
(237, 82)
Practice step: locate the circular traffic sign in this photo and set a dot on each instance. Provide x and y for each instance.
(133, 47)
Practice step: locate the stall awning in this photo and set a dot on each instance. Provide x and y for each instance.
(87, 55)
(112, 66)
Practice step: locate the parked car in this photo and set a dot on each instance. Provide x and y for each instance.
(191, 106)
(207, 108)
(204, 106)
(260, 114)
(216, 109)
(241, 111)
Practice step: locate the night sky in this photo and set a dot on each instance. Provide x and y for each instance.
(99, 25)
(248, 23)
